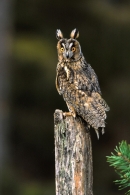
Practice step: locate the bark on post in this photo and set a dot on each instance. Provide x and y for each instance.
(73, 156)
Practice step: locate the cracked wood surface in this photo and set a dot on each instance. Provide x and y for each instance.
(73, 156)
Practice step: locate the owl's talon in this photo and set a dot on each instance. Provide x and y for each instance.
(69, 114)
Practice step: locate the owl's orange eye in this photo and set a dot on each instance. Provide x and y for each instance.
(73, 49)
(62, 49)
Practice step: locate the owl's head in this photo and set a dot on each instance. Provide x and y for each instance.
(68, 49)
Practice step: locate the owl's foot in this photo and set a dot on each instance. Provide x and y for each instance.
(71, 110)
(69, 114)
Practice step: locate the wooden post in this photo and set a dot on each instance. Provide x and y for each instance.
(73, 156)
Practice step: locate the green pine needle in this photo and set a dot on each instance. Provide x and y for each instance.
(121, 163)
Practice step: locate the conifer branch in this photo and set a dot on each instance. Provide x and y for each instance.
(121, 163)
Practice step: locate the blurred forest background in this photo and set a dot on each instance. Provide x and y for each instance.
(28, 97)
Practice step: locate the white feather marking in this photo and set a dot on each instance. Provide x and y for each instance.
(70, 45)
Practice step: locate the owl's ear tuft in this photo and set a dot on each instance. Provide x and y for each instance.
(59, 34)
(74, 34)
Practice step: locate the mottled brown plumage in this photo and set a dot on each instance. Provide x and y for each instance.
(78, 83)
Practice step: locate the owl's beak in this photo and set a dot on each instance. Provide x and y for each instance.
(67, 55)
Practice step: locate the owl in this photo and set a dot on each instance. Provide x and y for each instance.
(77, 82)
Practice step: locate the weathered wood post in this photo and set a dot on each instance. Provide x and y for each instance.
(73, 156)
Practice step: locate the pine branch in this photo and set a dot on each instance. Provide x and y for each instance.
(121, 163)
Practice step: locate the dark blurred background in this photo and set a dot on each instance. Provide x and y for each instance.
(28, 97)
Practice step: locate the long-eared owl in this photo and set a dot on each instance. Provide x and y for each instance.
(77, 82)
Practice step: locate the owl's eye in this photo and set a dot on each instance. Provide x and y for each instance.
(62, 49)
(73, 49)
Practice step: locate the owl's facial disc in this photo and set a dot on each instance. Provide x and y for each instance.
(67, 50)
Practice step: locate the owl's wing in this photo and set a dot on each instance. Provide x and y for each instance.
(57, 84)
(59, 71)
(86, 79)
(93, 79)
(88, 102)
